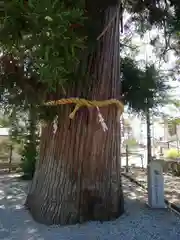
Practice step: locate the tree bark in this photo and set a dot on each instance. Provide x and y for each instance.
(77, 177)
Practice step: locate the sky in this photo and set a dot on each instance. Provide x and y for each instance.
(4, 131)
(147, 54)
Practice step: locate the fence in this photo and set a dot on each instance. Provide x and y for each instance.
(9, 157)
(9, 167)
(131, 158)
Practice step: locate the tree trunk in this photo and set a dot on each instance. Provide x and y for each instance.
(77, 177)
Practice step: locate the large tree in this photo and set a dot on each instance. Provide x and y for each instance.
(58, 49)
(77, 177)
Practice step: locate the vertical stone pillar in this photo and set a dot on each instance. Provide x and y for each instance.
(156, 184)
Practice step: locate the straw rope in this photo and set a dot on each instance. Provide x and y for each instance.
(81, 102)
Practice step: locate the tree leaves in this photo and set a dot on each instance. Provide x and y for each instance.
(140, 85)
(43, 28)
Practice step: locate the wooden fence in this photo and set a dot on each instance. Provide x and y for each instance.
(9, 167)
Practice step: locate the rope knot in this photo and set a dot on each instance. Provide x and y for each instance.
(81, 102)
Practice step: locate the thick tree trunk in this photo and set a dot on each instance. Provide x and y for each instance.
(78, 175)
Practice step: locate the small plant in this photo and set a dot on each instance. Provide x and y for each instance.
(29, 156)
(131, 143)
(172, 153)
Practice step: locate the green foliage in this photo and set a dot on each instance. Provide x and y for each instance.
(42, 34)
(131, 143)
(142, 88)
(31, 143)
(30, 153)
(172, 153)
(4, 122)
(29, 157)
(47, 41)
(44, 45)
(23, 137)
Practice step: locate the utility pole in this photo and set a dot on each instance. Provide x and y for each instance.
(148, 125)
(153, 136)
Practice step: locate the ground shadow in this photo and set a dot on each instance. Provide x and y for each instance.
(171, 184)
(138, 222)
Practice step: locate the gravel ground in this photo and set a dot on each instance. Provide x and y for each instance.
(171, 184)
(138, 223)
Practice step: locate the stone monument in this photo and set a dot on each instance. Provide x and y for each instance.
(156, 184)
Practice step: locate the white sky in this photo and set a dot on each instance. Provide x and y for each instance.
(4, 131)
(146, 54)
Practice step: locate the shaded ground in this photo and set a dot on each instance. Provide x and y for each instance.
(171, 184)
(138, 223)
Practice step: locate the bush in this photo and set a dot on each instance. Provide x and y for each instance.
(172, 153)
(31, 143)
(29, 156)
(130, 142)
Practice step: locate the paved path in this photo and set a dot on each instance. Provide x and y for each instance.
(138, 223)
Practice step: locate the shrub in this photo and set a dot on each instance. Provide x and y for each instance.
(29, 156)
(172, 153)
(130, 142)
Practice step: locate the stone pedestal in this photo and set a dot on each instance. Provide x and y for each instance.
(156, 184)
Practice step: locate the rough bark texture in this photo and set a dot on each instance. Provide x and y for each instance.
(78, 175)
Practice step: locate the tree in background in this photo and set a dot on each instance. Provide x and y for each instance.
(144, 90)
(23, 136)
